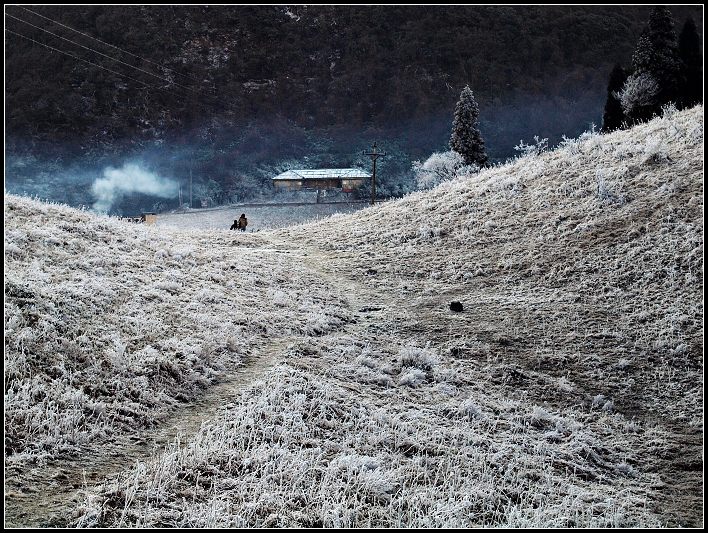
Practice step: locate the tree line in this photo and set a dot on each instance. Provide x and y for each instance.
(666, 69)
(305, 85)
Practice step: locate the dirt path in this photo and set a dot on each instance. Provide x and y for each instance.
(53, 490)
(41, 496)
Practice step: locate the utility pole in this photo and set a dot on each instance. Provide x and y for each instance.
(374, 155)
(190, 185)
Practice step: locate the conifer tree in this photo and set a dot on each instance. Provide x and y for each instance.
(466, 139)
(666, 68)
(689, 46)
(656, 77)
(613, 117)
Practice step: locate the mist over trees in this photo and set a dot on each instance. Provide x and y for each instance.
(246, 88)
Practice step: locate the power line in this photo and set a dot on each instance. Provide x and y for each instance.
(109, 44)
(144, 84)
(208, 98)
(78, 58)
(101, 53)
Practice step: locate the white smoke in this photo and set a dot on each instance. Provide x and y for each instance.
(130, 178)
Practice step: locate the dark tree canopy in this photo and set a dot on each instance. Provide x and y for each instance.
(613, 116)
(667, 66)
(318, 66)
(253, 87)
(466, 139)
(656, 79)
(692, 64)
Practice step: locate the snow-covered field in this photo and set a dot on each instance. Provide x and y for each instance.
(259, 218)
(567, 393)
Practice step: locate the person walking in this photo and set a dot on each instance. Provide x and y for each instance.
(242, 222)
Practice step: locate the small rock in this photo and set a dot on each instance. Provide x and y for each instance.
(456, 306)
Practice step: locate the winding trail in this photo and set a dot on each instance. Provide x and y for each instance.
(43, 495)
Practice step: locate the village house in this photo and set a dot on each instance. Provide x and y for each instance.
(346, 179)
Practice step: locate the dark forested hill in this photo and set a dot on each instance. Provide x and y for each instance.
(237, 88)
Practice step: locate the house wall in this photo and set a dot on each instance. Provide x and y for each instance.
(347, 185)
(352, 184)
(333, 183)
(287, 185)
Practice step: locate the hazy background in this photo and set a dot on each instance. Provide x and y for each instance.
(235, 94)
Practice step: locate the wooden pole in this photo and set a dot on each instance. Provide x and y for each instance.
(374, 155)
(373, 184)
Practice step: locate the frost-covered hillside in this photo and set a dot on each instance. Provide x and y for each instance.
(587, 259)
(567, 393)
(108, 325)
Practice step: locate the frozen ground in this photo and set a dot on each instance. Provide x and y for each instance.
(568, 393)
(259, 218)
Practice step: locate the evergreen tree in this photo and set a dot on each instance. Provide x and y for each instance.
(613, 117)
(644, 56)
(667, 68)
(692, 65)
(466, 139)
(656, 79)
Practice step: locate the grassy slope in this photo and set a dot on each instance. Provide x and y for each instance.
(587, 259)
(567, 393)
(109, 325)
(582, 266)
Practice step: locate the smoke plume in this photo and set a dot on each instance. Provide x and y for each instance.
(131, 178)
